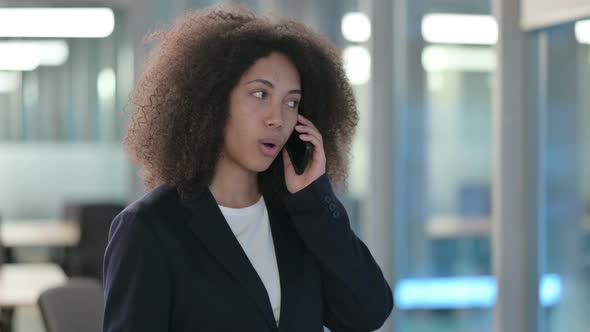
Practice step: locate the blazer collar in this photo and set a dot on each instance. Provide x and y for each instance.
(209, 225)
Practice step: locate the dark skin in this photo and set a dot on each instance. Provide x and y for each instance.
(264, 105)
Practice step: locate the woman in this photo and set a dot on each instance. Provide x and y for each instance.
(230, 237)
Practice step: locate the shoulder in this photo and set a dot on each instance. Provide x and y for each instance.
(161, 198)
(157, 206)
(137, 249)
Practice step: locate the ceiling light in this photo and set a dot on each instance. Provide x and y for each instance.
(459, 29)
(357, 64)
(56, 22)
(48, 52)
(583, 32)
(24, 60)
(436, 58)
(356, 27)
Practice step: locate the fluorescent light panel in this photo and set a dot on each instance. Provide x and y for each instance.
(25, 59)
(436, 58)
(583, 32)
(459, 29)
(356, 27)
(357, 64)
(48, 52)
(464, 292)
(56, 22)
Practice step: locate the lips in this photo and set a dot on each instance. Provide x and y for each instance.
(269, 146)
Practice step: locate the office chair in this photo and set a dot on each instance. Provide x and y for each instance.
(85, 260)
(74, 307)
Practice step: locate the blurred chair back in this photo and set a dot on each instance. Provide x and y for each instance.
(85, 260)
(75, 307)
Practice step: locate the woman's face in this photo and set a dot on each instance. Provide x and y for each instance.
(263, 110)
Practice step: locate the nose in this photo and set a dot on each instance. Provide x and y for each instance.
(274, 118)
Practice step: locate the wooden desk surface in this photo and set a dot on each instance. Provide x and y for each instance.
(39, 233)
(451, 227)
(456, 227)
(21, 284)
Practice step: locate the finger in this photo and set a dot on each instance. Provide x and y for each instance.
(310, 131)
(318, 155)
(317, 144)
(306, 121)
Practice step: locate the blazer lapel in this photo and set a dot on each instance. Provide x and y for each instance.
(288, 251)
(209, 225)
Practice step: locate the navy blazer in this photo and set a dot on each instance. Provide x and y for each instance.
(173, 264)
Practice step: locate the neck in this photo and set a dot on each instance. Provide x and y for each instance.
(234, 187)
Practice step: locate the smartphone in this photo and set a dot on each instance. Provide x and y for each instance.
(299, 151)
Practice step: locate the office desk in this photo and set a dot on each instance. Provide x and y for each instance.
(440, 227)
(39, 233)
(21, 284)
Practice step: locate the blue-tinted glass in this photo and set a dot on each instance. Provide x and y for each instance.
(564, 133)
(442, 240)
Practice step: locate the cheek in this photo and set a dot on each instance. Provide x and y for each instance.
(288, 129)
(290, 119)
(241, 119)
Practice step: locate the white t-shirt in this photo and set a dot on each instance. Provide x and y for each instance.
(251, 227)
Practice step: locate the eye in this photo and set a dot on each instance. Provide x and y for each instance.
(259, 94)
(293, 103)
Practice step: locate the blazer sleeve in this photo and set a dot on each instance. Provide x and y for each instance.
(356, 296)
(136, 278)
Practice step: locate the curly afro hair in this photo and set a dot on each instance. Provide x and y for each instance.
(179, 106)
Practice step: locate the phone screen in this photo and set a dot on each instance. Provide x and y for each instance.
(299, 152)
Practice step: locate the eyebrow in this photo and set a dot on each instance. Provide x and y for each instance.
(270, 85)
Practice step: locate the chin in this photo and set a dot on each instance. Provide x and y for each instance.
(261, 166)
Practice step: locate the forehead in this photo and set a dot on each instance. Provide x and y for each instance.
(276, 68)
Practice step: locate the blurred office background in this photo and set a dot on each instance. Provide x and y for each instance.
(470, 176)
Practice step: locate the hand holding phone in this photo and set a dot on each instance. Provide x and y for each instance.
(304, 155)
(299, 151)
